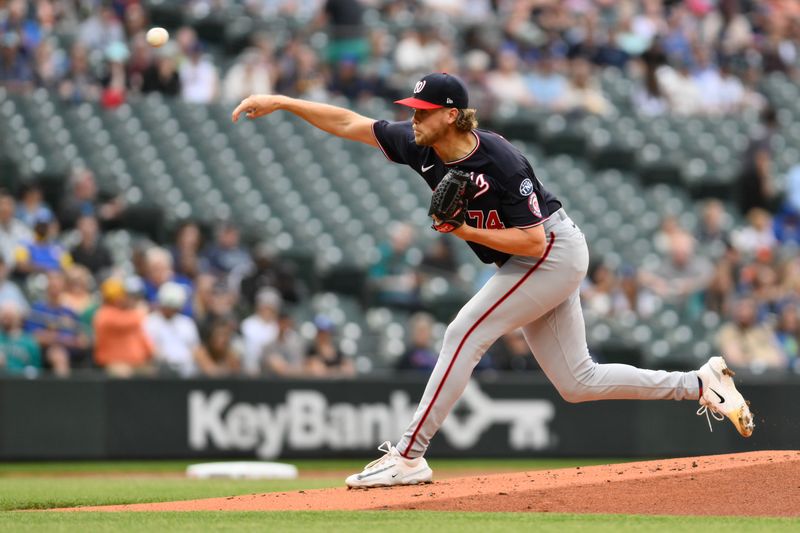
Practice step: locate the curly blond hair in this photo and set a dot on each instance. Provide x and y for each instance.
(467, 120)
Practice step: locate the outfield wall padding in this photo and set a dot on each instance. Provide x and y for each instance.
(501, 416)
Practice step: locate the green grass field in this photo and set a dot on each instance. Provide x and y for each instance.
(35, 486)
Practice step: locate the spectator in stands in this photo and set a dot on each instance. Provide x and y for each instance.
(101, 29)
(474, 74)
(649, 98)
(787, 219)
(727, 27)
(418, 50)
(708, 78)
(199, 77)
(583, 94)
(16, 20)
(511, 353)
(140, 61)
(285, 355)
(80, 84)
(631, 297)
(121, 346)
(722, 287)
(302, 73)
(676, 41)
(90, 251)
(31, 206)
(712, 234)
(546, 83)
(251, 74)
(135, 20)
(680, 87)
(788, 333)
(778, 51)
(186, 40)
(507, 84)
(650, 21)
(681, 278)
(214, 301)
(224, 350)
(765, 289)
(756, 185)
(19, 351)
(633, 35)
(13, 231)
(78, 295)
(419, 353)
(269, 270)
(378, 69)
(346, 80)
(732, 95)
(323, 357)
(84, 199)
(58, 330)
(15, 70)
(47, 20)
(176, 341)
(757, 238)
(669, 228)
(162, 75)
(752, 99)
(260, 329)
(186, 250)
(226, 256)
(345, 26)
(43, 253)
(439, 258)
(394, 277)
(159, 270)
(748, 343)
(114, 80)
(10, 292)
(598, 291)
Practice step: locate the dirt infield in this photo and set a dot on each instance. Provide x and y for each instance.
(748, 484)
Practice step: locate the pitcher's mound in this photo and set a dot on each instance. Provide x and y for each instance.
(749, 484)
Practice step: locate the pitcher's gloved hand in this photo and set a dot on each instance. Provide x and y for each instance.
(450, 198)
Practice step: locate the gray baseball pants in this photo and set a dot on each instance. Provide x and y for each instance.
(541, 296)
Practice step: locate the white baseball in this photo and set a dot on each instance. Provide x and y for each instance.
(157, 36)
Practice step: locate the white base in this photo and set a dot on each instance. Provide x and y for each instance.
(242, 470)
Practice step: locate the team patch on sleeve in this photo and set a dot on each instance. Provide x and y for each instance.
(533, 204)
(526, 187)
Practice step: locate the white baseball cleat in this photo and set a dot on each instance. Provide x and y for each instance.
(721, 398)
(391, 469)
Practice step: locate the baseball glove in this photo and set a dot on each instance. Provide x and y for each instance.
(449, 200)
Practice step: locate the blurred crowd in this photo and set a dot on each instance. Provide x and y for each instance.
(746, 276)
(202, 304)
(205, 303)
(684, 56)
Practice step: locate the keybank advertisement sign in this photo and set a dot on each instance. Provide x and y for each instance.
(307, 420)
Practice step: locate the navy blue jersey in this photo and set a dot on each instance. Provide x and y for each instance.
(510, 195)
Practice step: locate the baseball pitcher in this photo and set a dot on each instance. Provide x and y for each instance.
(486, 193)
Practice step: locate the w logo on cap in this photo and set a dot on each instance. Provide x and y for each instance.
(419, 86)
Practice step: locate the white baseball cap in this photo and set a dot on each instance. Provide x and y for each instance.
(172, 295)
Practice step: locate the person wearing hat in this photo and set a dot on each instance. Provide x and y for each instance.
(487, 194)
(285, 356)
(260, 329)
(43, 253)
(175, 337)
(121, 346)
(323, 357)
(64, 340)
